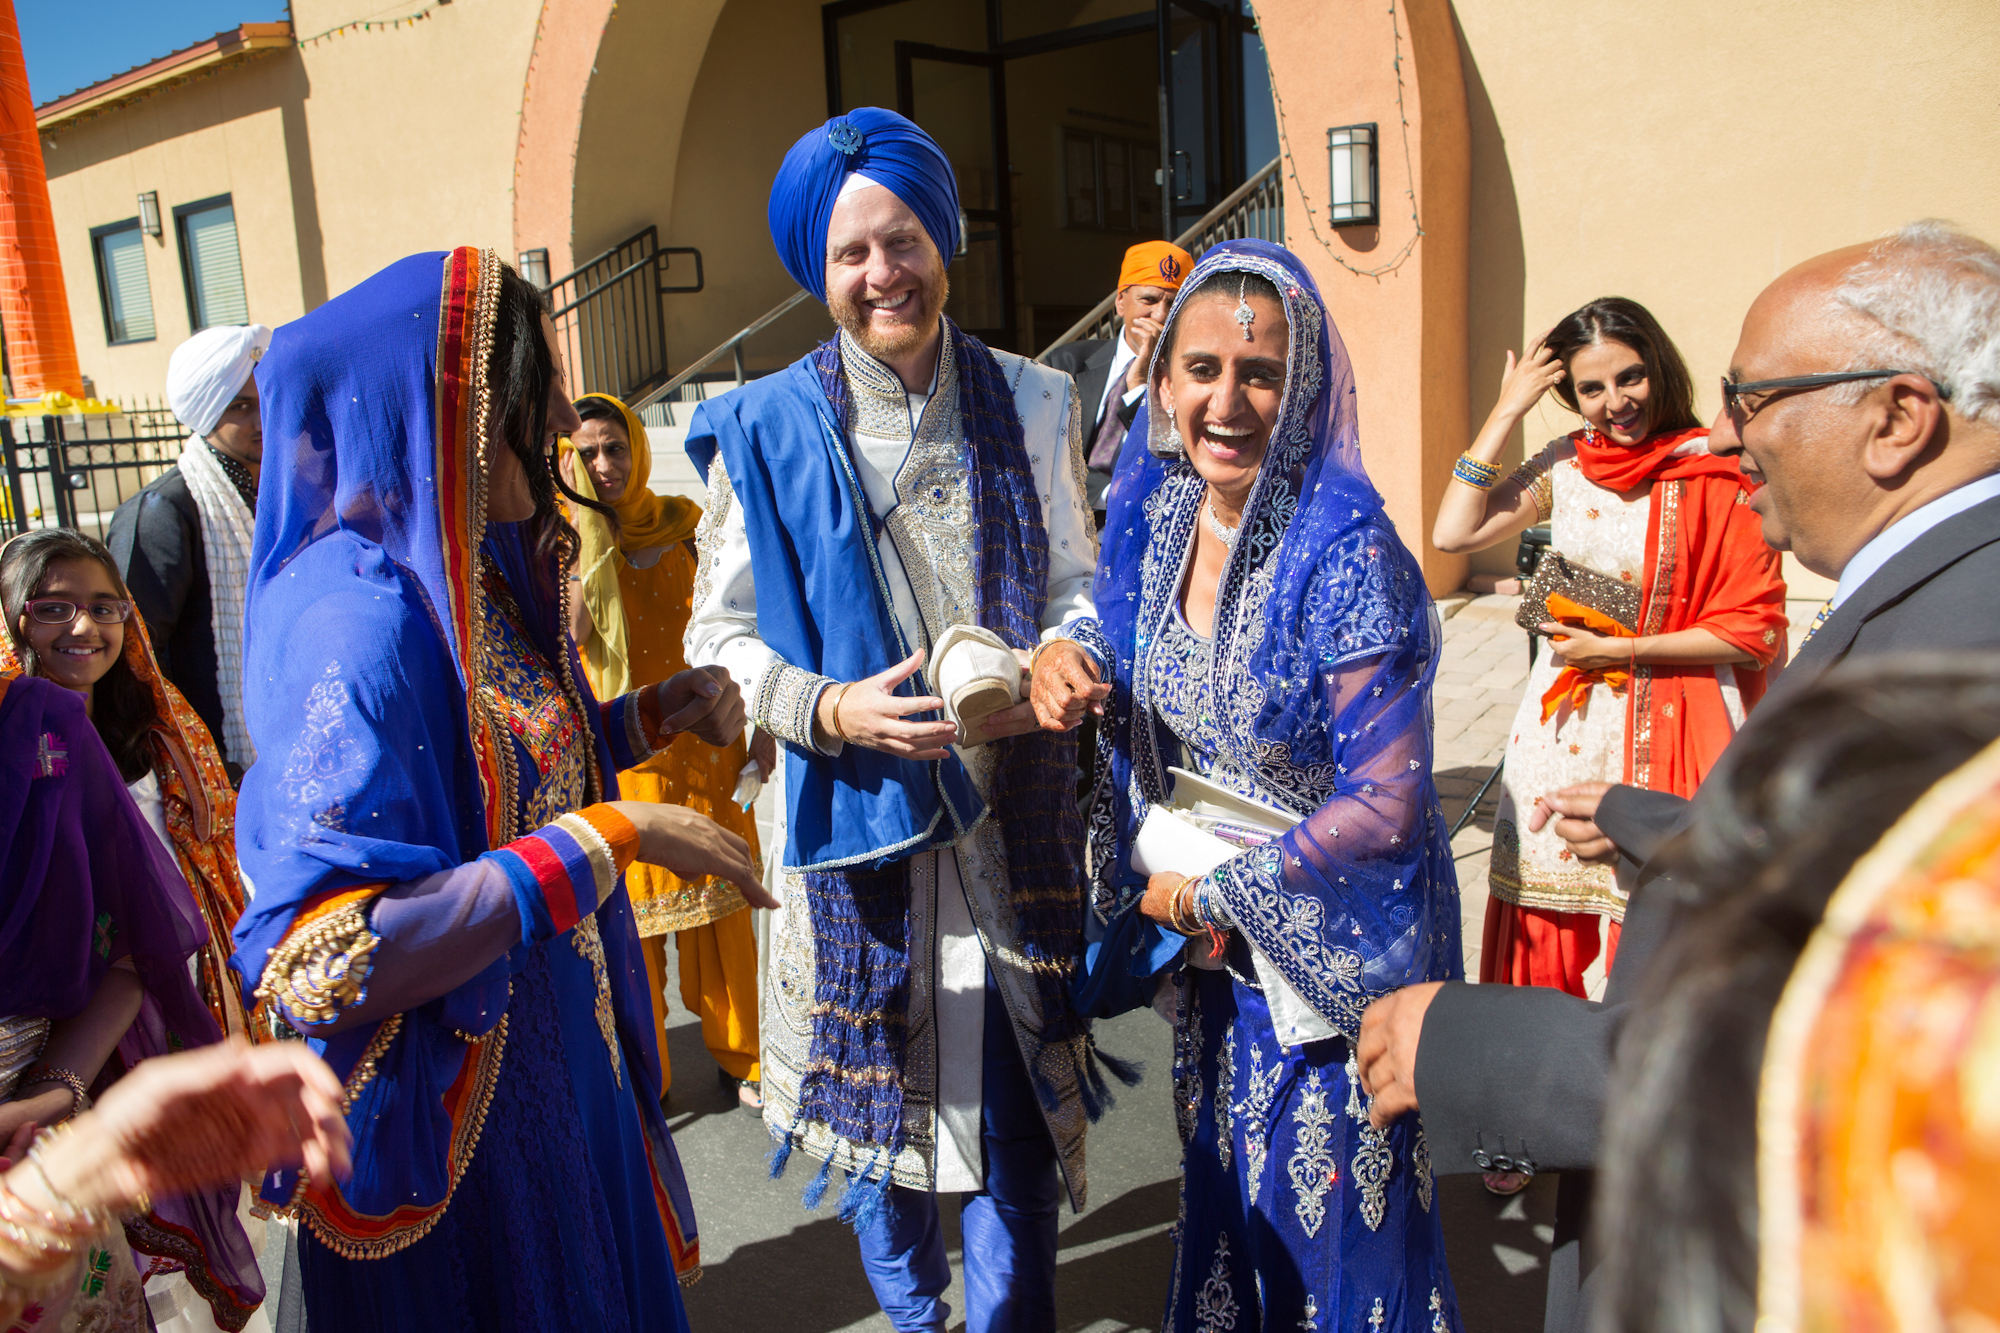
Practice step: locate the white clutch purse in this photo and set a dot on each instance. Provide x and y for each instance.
(1202, 825)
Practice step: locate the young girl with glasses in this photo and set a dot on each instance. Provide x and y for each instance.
(117, 930)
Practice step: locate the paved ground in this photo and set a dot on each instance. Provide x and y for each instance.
(771, 1265)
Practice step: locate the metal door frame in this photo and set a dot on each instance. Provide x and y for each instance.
(1229, 25)
(1002, 215)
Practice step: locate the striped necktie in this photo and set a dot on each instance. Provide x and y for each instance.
(1817, 621)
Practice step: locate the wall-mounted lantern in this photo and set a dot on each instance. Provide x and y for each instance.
(1351, 177)
(149, 213)
(534, 266)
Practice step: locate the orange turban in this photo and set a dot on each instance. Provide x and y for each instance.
(1155, 264)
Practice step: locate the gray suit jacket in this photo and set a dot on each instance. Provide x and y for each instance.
(1526, 1071)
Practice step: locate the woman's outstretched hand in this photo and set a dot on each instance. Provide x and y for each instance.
(1065, 686)
(203, 1118)
(693, 846)
(870, 713)
(705, 701)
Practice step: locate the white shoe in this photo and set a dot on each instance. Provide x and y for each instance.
(976, 674)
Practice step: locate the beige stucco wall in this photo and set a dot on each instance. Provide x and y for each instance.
(414, 130)
(340, 158)
(1685, 155)
(1335, 62)
(634, 115)
(222, 135)
(762, 84)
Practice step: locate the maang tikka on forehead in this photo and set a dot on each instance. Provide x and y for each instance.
(1244, 314)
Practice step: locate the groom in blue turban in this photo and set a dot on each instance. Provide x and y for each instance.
(896, 523)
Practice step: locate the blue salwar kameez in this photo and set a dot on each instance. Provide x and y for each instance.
(437, 867)
(1313, 697)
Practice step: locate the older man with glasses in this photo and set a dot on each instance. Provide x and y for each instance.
(1865, 394)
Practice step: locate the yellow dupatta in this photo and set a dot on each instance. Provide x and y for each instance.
(644, 520)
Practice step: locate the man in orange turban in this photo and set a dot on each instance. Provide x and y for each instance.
(1110, 373)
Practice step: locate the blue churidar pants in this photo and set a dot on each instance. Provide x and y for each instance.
(1009, 1228)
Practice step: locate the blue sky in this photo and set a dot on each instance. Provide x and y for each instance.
(72, 43)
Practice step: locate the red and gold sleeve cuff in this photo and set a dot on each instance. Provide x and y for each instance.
(564, 871)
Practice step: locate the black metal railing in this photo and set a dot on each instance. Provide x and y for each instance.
(611, 315)
(1255, 209)
(72, 472)
(689, 386)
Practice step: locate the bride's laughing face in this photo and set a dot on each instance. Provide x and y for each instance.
(1224, 390)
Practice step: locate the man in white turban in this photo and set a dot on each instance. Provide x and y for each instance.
(183, 543)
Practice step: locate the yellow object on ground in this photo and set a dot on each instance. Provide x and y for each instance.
(719, 983)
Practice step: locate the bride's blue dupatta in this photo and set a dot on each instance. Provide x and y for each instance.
(1327, 633)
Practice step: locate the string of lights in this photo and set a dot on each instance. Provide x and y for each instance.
(1305, 204)
(369, 25)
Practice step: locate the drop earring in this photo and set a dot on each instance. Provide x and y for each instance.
(1173, 444)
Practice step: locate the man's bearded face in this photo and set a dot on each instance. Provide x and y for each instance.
(885, 280)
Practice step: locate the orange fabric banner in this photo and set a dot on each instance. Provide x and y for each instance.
(34, 306)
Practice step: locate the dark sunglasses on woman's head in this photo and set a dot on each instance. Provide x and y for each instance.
(62, 611)
(1732, 391)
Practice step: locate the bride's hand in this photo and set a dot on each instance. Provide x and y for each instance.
(1064, 686)
(1158, 904)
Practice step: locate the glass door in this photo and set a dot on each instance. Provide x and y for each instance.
(960, 99)
(1190, 79)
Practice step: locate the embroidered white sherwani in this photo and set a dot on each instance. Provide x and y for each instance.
(909, 453)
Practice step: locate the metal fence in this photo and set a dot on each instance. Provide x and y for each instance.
(611, 316)
(1255, 209)
(72, 472)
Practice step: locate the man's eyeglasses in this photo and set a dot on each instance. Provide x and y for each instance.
(62, 611)
(1733, 392)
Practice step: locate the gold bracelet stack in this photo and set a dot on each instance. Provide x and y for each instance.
(1181, 915)
(838, 695)
(45, 1239)
(1476, 473)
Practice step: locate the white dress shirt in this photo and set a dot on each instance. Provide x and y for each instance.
(1900, 535)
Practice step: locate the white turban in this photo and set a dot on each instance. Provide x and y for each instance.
(208, 370)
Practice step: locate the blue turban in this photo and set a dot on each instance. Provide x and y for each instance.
(890, 151)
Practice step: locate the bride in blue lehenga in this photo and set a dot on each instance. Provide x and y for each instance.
(1266, 629)
(434, 834)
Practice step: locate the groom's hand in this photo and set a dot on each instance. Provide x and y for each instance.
(870, 713)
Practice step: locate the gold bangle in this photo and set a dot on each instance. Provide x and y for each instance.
(834, 709)
(1475, 472)
(1180, 908)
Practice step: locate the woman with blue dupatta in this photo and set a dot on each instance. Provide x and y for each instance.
(434, 834)
(1273, 637)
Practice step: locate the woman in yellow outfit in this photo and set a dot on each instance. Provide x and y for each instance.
(636, 589)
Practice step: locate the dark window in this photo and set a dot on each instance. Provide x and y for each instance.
(119, 249)
(211, 265)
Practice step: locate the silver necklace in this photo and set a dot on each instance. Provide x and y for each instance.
(1225, 535)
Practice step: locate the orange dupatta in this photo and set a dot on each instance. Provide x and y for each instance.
(1707, 567)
